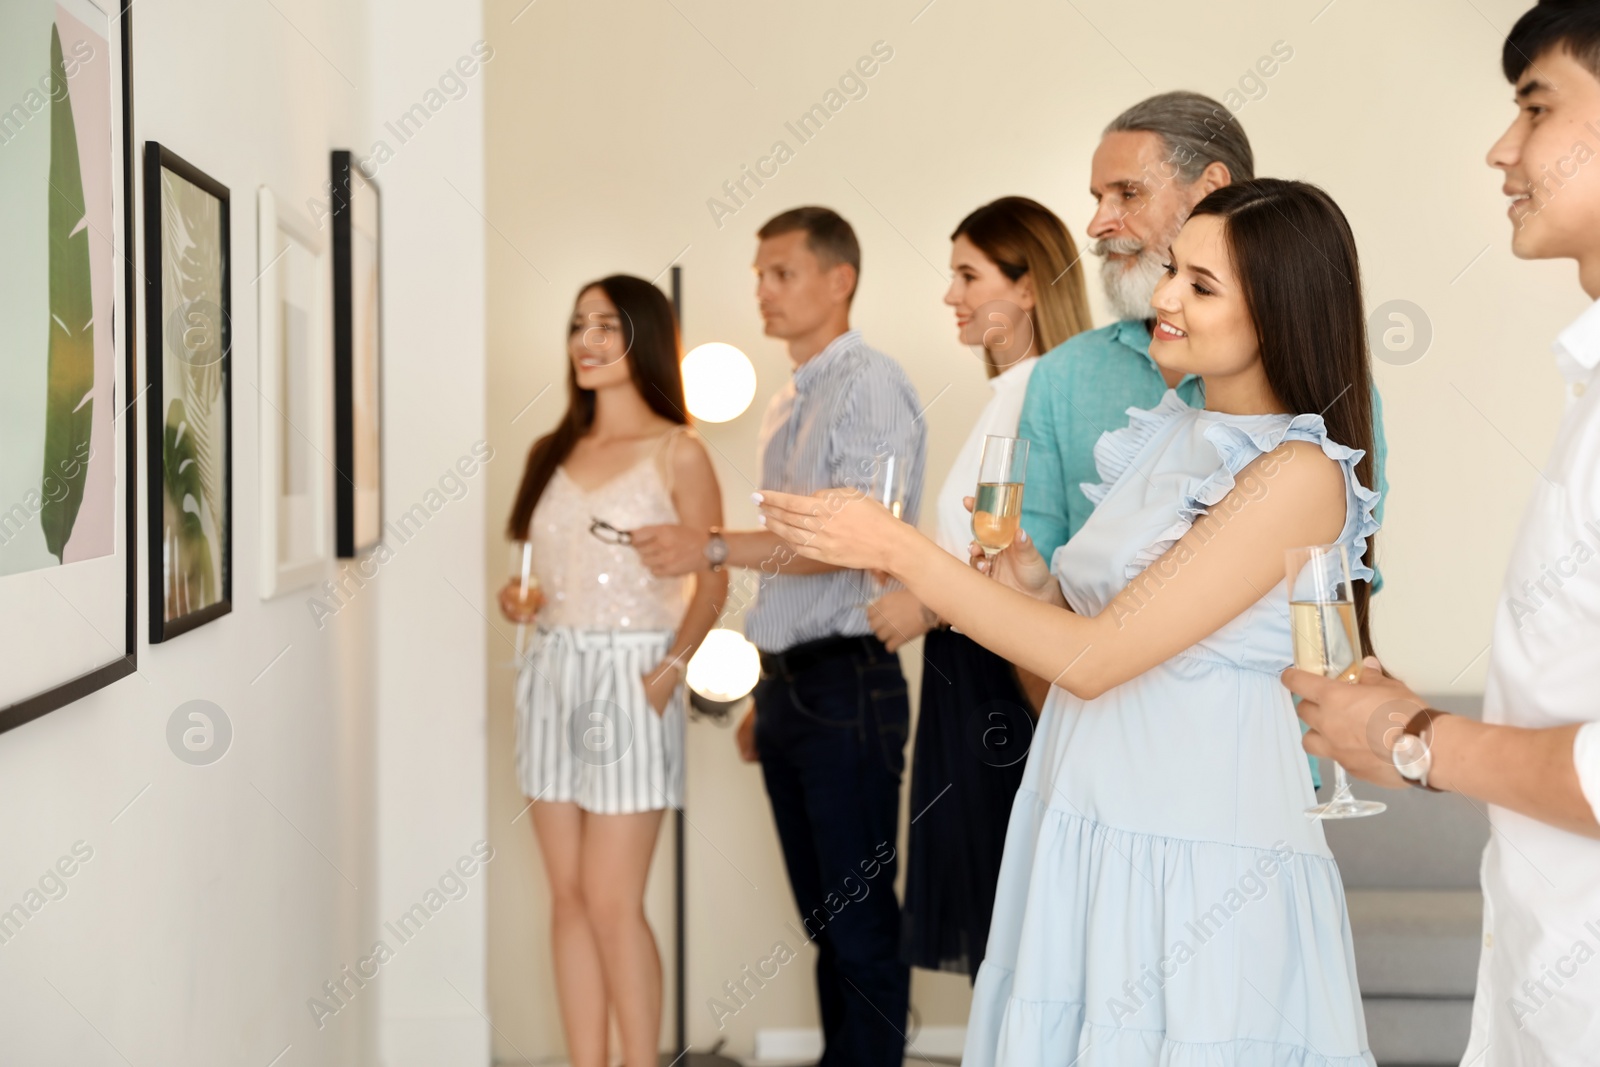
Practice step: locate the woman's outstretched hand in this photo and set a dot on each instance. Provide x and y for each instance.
(839, 526)
(1019, 566)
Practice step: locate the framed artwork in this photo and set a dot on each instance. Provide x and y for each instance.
(292, 376)
(67, 437)
(188, 407)
(357, 359)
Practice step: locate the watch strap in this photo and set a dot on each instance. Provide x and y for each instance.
(716, 550)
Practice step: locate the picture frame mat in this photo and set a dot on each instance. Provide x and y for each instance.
(286, 235)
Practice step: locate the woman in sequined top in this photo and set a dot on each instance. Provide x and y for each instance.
(600, 694)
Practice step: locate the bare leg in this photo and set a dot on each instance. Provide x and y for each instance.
(580, 983)
(616, 861)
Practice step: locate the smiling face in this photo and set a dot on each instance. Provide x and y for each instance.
(1548, 158)
(1203, 324)
(1139, 206)
(796, 292)
(991, 309)
(594, 341)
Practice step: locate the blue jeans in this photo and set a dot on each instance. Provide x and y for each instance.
(832, 738)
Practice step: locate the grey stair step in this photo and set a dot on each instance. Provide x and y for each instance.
(1412, 1033)
(1416, 942)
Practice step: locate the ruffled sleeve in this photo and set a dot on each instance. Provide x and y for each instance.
(1116, 450)
(1240, 443)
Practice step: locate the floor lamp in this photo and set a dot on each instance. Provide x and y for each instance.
(682, 1056)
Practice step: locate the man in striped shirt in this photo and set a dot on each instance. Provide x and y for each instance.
(830, 714)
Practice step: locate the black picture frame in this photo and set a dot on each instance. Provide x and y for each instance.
(350, 185)
(157, 158)
(58, 696)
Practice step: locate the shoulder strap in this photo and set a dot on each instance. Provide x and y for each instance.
(670, 438)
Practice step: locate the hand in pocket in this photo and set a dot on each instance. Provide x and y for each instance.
(659, 682)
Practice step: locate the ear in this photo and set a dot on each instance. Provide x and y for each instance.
(842, 281)
(1214, 177)
(1025, 294)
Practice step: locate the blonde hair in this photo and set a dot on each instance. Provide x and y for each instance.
(1023, 237)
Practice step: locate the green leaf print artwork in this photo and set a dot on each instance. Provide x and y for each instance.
(191, 286)
(190, 565)
(69, 407)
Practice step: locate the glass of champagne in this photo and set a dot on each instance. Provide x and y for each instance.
(1322, 616)
(889, 489)
(526, 582)
(997, 508)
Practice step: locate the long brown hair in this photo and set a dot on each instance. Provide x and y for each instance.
(1022, 236)
(1296, 259)
(654, 354)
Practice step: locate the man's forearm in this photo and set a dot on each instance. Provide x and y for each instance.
(1529, 771)
(767, 552)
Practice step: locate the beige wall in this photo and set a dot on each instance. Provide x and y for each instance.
(221, 898)
(610, 124)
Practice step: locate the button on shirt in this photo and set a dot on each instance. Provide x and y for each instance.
(841, 412)
(1538, 999)
(999, 418)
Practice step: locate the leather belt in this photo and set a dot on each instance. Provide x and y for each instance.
(800, 658)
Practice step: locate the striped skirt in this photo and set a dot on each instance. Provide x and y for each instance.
(586, 732)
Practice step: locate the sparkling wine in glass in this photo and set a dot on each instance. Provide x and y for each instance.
(889, 484)
(997, 507)
(528, 596)
(889, 489)
(1322, 617)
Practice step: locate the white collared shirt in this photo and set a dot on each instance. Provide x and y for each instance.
(1538, 998)
(999, 417)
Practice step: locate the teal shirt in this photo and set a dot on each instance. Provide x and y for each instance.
(1084, 387)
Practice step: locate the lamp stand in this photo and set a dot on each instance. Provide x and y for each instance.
(683, 1056)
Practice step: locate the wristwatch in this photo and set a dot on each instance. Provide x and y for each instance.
(716, 549)
(1413, 753)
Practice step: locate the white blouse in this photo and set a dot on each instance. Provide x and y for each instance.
(999, 417)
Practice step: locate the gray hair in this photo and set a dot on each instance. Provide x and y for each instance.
(1196, 132)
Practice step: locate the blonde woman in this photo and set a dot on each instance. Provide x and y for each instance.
(1017, 290)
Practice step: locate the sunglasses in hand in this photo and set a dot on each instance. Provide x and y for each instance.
(609, 533)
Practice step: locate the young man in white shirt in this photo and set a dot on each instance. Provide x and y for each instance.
(1535, 759)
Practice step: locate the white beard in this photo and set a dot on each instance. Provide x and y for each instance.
(1130, 285)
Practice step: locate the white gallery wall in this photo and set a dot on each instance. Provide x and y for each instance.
(218, 900)
(613, 125)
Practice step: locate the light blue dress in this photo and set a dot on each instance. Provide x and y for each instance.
(1163, 900)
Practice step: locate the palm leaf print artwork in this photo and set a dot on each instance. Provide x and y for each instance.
(191, 580)
(69, 407)
(195, 418)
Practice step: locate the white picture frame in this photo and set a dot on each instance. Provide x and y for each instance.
(293, 373)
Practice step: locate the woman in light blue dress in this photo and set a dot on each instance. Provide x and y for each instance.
(1163, 901)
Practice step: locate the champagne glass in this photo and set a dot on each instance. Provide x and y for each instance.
(889, 489)
(1322, 616)
(528, 594)
(997, 508)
